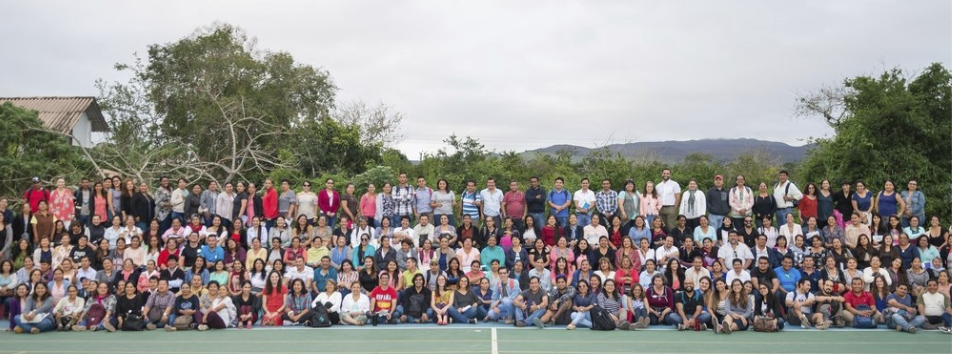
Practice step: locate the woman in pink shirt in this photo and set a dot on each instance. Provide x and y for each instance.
(649, 204)
(61, 203)
(368, 205)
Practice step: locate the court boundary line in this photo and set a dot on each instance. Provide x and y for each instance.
(494, 345)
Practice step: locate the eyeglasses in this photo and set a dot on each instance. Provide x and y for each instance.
(307, 185)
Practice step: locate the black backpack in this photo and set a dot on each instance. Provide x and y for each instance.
(319, 316)
(601, 319)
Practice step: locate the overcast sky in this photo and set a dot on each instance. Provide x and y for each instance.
(518, 75)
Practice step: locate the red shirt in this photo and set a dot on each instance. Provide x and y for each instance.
(269, 204)
(383, 298)
(549, 235)
(163, 260)
(864, 298)
(808, 208)
(515, 203)
(34, 196)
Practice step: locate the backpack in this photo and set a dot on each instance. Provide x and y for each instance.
(95, 315)
(787, 188)
(864, 322)
(133, 322)
(319, 316)
(601, 319)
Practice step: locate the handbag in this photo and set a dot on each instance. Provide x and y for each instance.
(36, 319)
(765, 324)
(864, 322)
(133, 322)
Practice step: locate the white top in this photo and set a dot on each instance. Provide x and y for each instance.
(335, 299)
(663, 255)
(728, 254)
(796, 296)
(667, 190)
(492, 201)
(112, 235)
(731, 276)
(178, 200)
(593, 234)
(793, 192)
(699, 205)
(584, 199)
(307, 274)
(306, 204)
(869, 277)
(228, 312)
(359, 306)
(696, 276)
(789, 233)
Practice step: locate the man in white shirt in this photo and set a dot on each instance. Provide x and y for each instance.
(935, 307)
(425, 231)
(667, 252)
(737, 272)
(669, 193)
(178, 200)
(584, 200)
(85, 271)
(492, 201)
(735, 250)
(696, 272)
(300, 271)
(785, 194)
(594, 231)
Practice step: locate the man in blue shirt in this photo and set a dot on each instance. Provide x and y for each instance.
(788, 277)
(559, 201)
(212, 253)
(323, 273)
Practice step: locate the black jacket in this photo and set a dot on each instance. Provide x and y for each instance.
(21, 225)
(717, 201)
(143, 207)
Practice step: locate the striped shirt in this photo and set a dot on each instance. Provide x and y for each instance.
(469, 207)
(403, 197)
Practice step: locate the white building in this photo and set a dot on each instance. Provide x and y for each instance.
(77, 117)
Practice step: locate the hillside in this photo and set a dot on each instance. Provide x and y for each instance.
(673, 151)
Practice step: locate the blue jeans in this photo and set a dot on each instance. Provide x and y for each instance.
(703, 318)
(581, 319)
(670, 319)
(562, 221)
(648, 221)
(411, 319)
(332, 220)
(395, 220)
(521, 316)
(583, 219)
(782, 215)
(84, 219)
(506, 311)
(462, 317)
(898, 320)
(180, 216)
(101, 326)
(46, 325)
(716, 220)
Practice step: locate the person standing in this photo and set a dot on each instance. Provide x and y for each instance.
(62, 204)
(741, 199)
(514, 205)
(491, 199)
(786, 195)
(209, 203)
(224, 204)
(536, 201)
(287, 201)
(628, 200)
(422, 196)
(81, 199)
(177, 200)
(607, 202)
(329, 201)
(143, 207)
(269, 201)
(584, 200)
(669, 193)
(470, 201)
(403, 197)
(559, 201)
(717, 199)
(914, 201)
(692, 205)
(35, 194)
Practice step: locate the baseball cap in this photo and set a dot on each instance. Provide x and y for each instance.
(36, 179)
(718, 177)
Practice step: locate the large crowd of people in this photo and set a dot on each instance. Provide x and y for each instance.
(119, 255)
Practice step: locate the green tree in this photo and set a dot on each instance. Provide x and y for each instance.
(893, 127)
(28, 149)
(327, 146)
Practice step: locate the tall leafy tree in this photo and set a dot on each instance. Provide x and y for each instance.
(892, 127)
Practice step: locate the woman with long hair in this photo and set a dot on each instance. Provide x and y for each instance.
(610, 300)
(739, 308)
(716, 303)
(273, 300)
(441, 300)
(36, 314)
(247, 306)
(582, 302)
(368, 277)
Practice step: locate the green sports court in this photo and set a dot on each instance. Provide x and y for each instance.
(461, 340)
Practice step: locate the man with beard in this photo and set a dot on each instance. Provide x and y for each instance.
(688, 303)
(827, 306)
(561, 296)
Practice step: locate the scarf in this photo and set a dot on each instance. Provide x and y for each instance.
(691, 202)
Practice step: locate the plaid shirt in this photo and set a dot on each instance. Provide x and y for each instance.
(298, 303)
(606, 201)
(403, 200)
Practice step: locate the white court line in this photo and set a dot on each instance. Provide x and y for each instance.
(494, 347)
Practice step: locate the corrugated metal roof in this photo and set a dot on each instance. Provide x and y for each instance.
(62, 113)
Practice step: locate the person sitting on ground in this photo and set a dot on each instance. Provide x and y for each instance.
(901, 313)
(858, 302)
(801, 303)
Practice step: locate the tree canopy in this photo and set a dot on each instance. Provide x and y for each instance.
(893, 127)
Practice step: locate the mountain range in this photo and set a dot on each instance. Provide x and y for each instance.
(675, 151)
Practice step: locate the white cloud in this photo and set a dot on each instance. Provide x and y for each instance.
(518, 75)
